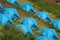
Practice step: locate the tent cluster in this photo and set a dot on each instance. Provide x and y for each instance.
(7, 15)
(31, 23)
(5, 20)
(56, 24)
(44, 16)
(27, 25)
(11, 12)
(42, 38)
(48, 34)
(25, 29)
(14, 2)
(28, 8)
(1, 7)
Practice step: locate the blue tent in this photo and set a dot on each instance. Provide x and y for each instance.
(11, 12)
(43, 38)
(56, 24)
(31, 23)
(5, 20)
(15, 2)
(44, 16)
(25, 29)
(1, 7)
(28, 8)
(50, 33)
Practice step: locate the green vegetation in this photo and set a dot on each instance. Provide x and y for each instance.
(11, 33)
(52, 8)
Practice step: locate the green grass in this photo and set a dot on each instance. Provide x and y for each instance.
(52, 8)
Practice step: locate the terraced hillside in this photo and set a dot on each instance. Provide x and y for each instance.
(24, 14)
(52, 8)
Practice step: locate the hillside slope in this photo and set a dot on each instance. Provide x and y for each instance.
(24, 14)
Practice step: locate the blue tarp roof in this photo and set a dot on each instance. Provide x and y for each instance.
(28, 8)
(5, 20)
(43, 38)
(15, 2)
(31, 23)
(44, 16)
(11, 12)
(56, 24)
(51, 33)
(25, 29)
(1, 7)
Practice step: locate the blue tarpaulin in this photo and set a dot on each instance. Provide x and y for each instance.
(31, 23)
(1, 7)
(56, 24)
(25, 29)
(11, 12)
(15, 2)
(5, 20)
(28, 8)
(44, 16)
(50, 33)
(43, 38)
